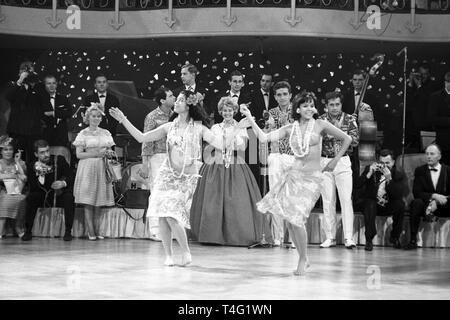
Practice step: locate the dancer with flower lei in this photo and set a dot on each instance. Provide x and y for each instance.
(176, 181)
(295, 195)
(224, 203)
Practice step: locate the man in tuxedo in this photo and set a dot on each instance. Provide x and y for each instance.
(439, 115)
(24, 123)
(107, 100)
(188, 77)
(236, 83)
(56, 110)
(431, 190)
(263, 98)
(43, 185)
(419, 90)
(383, 186)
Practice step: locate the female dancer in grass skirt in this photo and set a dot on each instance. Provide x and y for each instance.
(177, 178)
(295, 195)
(224, 205)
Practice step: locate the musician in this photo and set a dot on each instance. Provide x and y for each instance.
(56, 110)
(107, 100)
(189, 74)
(341, 176)
(236, 83)
(431, 190)
(262, 98)
(419, 90)
(43, 185)
(155, 153)
(24, 124)
(383, 185)
(352, 96)
(439, 115)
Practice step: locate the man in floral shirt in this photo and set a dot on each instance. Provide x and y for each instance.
(341, 176)
(154, 153)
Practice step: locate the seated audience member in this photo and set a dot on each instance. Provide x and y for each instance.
(43, 185)
(12, 172)
(431, 192)
(383, 188)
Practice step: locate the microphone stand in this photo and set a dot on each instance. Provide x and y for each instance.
(263, 174)
(405, 51)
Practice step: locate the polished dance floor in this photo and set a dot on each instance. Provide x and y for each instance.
(49, 268)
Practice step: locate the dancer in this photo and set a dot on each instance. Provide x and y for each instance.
(224, 203)
(91, 187)
(177, 178)
(294, 196)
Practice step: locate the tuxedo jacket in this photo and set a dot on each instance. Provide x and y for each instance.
(439, 116)
(348, 106)
(423, 186)
(55, 128)
(26, 112)
(244, 97)
(395, 189)
(108, 122)
(258, 105)
(63, 173)
(207, 101)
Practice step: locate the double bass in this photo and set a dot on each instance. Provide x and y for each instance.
(366, 121)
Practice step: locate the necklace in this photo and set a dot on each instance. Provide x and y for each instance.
(302, 140)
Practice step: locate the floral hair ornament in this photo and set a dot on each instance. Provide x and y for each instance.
(96, 106)
(5, 141)
(194, 99)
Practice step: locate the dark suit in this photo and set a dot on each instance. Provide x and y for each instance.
(423, 189)
(349, 105)
(37, 197)
(207, 101)
(24, 123)
(55, 128)
(439, 116)
(258, 105)
(394, 206)
(108, 122)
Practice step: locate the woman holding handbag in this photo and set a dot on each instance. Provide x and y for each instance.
(93, 185)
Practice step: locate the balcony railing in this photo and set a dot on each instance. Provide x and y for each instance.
(389, 6)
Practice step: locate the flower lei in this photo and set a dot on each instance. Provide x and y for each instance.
(227, 150)
(302, 140)
(188, 142)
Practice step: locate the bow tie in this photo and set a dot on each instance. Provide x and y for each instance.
(357, 94)
(235, 96)
(102, 96)
(52, 98)
(266, 94)
(433, 169)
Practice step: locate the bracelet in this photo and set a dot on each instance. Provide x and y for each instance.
(124, 118)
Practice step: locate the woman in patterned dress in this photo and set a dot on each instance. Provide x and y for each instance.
(177, 178)
(91, 187)
(12, 206)
(295, 195)
(224, 203)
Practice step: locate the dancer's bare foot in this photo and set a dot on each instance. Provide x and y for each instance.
(186, 259)
(169, 261)
(303, 264)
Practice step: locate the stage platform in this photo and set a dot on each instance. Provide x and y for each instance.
(114, 223)
(49, 268)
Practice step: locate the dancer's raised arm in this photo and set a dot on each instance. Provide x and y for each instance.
(152, 135)
(262, 136)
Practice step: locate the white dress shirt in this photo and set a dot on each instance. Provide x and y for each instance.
(52, 100)
(235, 96)
(435, 174)
(266, 98)
(357, 97)
(102, 99)
(191, 87)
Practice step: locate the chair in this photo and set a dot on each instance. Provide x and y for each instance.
(409, 163)
(61, 151)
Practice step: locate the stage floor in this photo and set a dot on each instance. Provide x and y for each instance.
(49, 268)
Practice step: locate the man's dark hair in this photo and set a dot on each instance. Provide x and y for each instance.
(161, 94)
(281, 85)
(359, 72)
(425, 66)
(191, 68)
(333, 95)
(98, 75)
(50, 76)
(267, 73)
(236, 73)
(387, 152)
(39, 144)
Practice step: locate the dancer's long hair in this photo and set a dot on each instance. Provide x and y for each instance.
(196, 111)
